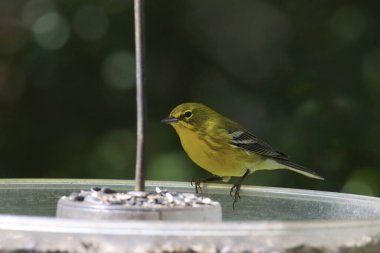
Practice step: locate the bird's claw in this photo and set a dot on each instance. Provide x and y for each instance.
(197, 184)
(235, 192)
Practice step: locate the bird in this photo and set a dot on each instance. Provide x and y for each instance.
(224, 148)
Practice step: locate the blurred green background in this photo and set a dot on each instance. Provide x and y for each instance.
(302, 75)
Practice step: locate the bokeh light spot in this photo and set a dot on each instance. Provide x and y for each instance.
(51, 31)
(114, 153)
(363, 181)
(170, 166)
(111, 156)
(350, 22)
(90, 22)
(309, 107)
(358, 187)
(119, 70)
(344, 104)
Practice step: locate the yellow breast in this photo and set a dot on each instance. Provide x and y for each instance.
(220, 160)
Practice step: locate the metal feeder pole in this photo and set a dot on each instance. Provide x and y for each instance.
(140, 54)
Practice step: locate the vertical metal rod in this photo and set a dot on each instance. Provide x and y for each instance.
(140, 54)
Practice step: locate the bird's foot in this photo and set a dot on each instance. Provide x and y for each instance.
(235, 189)
(235, 192)
(197, 183)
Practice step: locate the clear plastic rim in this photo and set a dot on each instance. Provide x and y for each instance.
(210, 187)
(34, 223)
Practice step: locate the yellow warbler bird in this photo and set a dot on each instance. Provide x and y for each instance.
(224, 148)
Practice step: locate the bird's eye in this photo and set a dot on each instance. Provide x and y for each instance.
(188, 114)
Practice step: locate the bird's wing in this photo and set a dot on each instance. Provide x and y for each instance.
(250, 143)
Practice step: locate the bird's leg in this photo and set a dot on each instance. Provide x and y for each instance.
(235, 189)
(197, 182)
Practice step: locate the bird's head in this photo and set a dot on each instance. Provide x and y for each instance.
(190, 116)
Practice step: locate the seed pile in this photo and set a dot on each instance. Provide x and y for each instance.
(155, 199)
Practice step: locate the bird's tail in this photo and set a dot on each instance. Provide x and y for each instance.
(299, 169)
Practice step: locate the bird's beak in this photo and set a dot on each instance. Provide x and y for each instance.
(169, 120)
